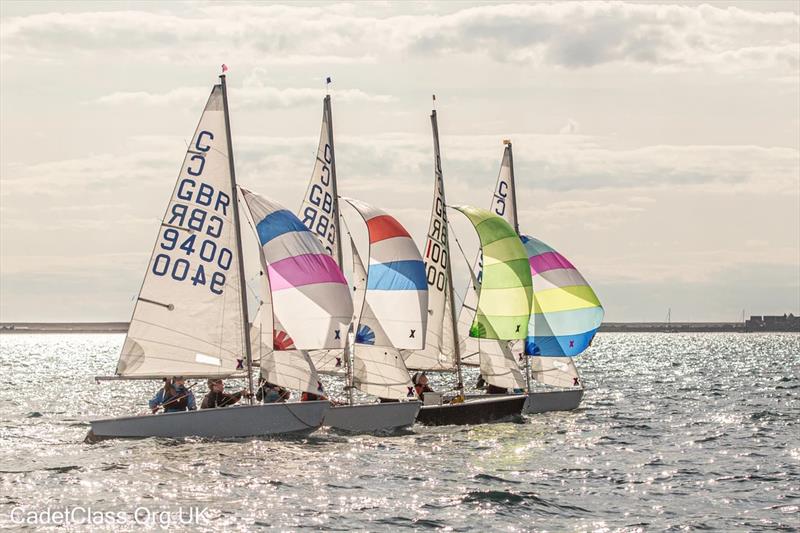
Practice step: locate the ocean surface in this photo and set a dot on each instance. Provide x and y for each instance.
(676, 431)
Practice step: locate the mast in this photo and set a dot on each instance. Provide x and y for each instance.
(513, 185)
(239, 254)
(446, 243)
(337, 227)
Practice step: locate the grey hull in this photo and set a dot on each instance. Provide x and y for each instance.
(225, 422)
(374, 417)
(557, 400)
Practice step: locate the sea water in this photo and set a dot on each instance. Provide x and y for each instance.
(676, 431)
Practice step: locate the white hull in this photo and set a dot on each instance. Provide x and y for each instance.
(556, 400)
(225, 422)
(372, 417)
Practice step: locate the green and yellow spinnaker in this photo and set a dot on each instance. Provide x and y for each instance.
(506, 290)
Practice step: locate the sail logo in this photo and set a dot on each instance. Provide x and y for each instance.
(500, 198)
(189, 248)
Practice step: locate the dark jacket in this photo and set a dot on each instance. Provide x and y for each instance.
(220, 399)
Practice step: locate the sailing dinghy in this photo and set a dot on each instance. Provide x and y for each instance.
(561, 310)
(191, 316)
(565, 317)
(390, 302)
(442, 350)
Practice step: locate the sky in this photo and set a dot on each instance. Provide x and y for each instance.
(656, 145)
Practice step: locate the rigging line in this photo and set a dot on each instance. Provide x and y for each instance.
(475, 286)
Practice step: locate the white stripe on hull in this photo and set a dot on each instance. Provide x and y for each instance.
(225, 422)
(373, 417)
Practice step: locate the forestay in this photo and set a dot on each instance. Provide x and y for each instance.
(188, 315)
(566, 312)
(310, 296)
(378, 367)
(504, 302)
(396, 292)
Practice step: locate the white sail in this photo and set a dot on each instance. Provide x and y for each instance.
(555, 371)
(328, 361)
(497, 363)
(378, 367)
(310, 296)
(439, 350)
(318, 212)
(188, 316)
(280, 364)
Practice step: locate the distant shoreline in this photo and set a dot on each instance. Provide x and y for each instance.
(609, 327)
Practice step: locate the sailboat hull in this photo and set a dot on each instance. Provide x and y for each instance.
(481, 411)
(227, 422)
(372, 418)
(558, 400)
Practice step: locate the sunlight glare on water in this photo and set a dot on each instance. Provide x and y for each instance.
(676, 430)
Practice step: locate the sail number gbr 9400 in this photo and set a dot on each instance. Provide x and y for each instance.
(189, 248)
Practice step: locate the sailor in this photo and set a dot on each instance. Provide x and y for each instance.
(174, 396)
(420, 381)
(217, 397)
(490, 389)
(311, 397)
(270, 393)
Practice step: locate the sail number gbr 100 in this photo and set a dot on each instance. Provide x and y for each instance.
(188, 249)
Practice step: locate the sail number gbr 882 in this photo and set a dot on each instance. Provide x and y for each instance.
(191, 245)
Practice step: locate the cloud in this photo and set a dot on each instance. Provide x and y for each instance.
(570, 35)
(242, 97)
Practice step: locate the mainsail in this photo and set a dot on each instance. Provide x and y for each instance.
(189, 318)
(378, 367)
(310, 296)
(566, 311)
(397, 291)
(504, 303)
(439, 352)
(319, 210)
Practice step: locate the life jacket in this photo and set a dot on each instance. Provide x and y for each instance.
(178, 402)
